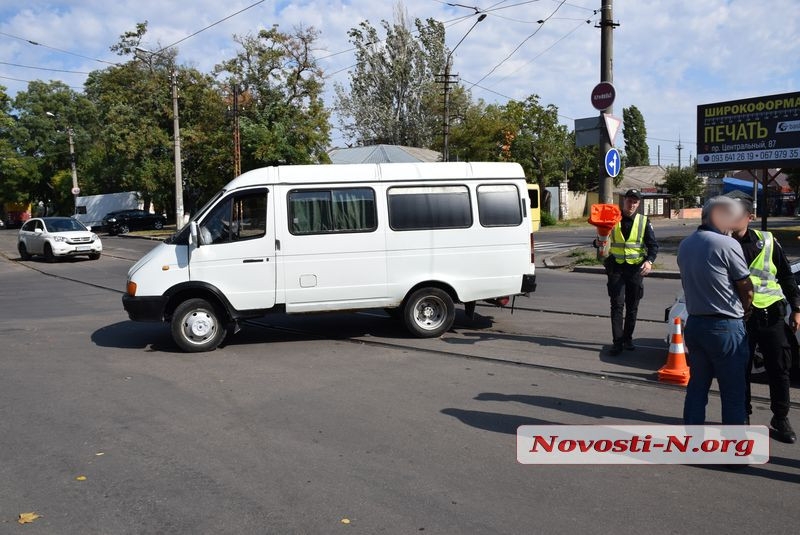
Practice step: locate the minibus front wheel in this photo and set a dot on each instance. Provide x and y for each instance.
(429, 312)
(197, 326)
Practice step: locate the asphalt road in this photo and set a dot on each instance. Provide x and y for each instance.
(298, 423)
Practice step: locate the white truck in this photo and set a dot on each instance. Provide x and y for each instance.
(410, 238)
(91, 209)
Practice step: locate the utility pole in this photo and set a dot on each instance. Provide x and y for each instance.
(607, 26)
(70, 133)
(178, 166)
(659, 155)
(176, 131)
(237, 143)
(447, 80)
(75, 189)
(679, 147)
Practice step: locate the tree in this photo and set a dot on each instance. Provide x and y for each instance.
(635, 134)
(286, 121)
(393, 96)
(540, 143)
(44, 113)
(793, 178)
(684, 184)
(18, 172)
(583, 174)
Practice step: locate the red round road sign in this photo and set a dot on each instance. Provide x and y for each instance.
(603, 95)
(76, 191)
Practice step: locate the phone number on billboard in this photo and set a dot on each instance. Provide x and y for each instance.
(750, 156)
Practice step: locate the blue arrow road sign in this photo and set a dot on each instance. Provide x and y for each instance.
(613, 162)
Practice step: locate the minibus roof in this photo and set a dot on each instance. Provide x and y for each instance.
(382, 172)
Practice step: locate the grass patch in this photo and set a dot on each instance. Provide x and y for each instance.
(583, 258)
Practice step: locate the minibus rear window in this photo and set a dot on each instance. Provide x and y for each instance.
(332, 211)
(499, 205)
(429, 207)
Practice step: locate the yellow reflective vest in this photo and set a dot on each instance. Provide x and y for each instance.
(763, 273)
(633, 250)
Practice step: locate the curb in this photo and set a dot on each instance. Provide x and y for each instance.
(597, 270)
(149, 238)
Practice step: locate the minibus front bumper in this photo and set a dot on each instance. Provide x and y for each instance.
(144, 308)
(528, 283)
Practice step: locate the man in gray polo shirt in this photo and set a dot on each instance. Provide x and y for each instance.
(718, 291)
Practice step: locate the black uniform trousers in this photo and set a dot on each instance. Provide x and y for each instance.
(767, 329)
(626, 289)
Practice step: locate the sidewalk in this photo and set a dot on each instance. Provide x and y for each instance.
(666, 266)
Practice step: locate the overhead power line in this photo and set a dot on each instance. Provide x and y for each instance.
(211, 25)
(36, 43)
(42, 68)
(541, 25)
(29, 81)
(543, 52)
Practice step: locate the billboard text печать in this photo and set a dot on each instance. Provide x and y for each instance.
(753, 133)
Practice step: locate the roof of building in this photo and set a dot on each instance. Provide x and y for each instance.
(779, 179)
(383, 154)
(645, 178)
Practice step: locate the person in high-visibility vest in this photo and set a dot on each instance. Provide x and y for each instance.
(775, 288)
(632, 253)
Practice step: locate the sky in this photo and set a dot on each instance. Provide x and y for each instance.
(669, 55)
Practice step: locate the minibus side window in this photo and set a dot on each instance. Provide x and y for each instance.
(243, 217)
(533, 195)
(429, 207)
(332, 211)
(498, 205)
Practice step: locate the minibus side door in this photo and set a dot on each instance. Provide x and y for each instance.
(236, 252)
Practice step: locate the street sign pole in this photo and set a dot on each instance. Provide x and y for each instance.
(606, 75)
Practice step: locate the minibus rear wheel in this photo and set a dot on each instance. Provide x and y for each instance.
(197, 326)
(429, 312)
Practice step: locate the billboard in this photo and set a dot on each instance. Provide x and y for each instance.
(752, 133)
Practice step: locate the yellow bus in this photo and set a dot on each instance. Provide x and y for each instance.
(535, 206)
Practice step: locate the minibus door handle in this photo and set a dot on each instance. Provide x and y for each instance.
(253, 260)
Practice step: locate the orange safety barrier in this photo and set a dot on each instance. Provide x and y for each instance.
(675, 370)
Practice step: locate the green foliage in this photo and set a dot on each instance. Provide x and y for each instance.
(584, 167)
(392, 95)
(684, 184)
(547, 219)
(525, 132)
(284, 119)
(793, 178)
(635, 134)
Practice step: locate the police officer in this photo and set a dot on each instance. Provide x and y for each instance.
(774, 286)
(632, 253)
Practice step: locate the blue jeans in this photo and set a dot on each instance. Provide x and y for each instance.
(718, 348)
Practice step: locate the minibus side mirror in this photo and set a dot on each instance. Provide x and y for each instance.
(194, 234)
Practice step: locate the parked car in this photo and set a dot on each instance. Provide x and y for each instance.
(678, 310)
(57, 237)
(124, 221)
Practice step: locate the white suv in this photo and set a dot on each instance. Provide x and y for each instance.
(54, 237)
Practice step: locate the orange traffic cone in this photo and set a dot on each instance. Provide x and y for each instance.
(675, 370)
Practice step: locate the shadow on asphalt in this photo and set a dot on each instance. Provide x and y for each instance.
(493, 421)
(473, 337)
(135, 335)
(583, 408)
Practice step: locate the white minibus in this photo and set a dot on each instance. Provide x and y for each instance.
(412, 238)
